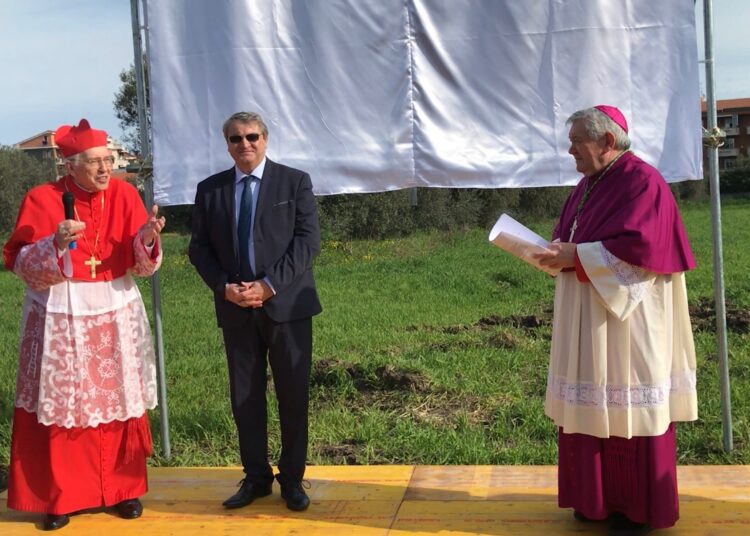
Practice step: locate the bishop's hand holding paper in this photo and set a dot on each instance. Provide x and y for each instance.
(519, 240)
(558, 256)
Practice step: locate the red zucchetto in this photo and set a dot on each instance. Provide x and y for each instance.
(74, 140)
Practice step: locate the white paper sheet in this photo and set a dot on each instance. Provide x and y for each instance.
(519, 240)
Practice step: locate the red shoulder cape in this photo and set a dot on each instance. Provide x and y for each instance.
(116, 214)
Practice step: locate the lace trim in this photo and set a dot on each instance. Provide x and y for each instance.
(634, 278)
(620, 396)
(82, 371)
(37, 264)
(144, 265)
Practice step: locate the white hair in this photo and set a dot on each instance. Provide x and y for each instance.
(596, 123)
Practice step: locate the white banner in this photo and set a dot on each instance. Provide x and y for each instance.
(370, 96)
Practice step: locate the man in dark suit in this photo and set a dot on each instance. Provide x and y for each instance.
(254, 237)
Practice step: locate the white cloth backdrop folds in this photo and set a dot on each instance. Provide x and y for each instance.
(374, 96)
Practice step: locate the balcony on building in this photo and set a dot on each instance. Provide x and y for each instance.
(730, 151)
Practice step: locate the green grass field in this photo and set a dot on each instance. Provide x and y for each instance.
(431, 349)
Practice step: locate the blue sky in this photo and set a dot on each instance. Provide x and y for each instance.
(62, 60)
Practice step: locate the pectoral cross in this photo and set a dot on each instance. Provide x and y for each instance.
(93, 262)
(573, 229)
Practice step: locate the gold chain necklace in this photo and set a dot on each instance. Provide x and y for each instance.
(587, 192)
(93, 262)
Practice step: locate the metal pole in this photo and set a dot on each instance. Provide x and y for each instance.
(714, 137)
(413, 199)
(147, 170)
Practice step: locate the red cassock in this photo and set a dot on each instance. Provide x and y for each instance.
(86, 373)
(58, 470)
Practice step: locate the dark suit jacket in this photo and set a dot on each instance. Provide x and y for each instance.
(286, 235)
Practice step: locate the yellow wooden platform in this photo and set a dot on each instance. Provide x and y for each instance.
(396, 500)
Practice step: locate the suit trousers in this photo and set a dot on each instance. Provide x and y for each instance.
(287, 347)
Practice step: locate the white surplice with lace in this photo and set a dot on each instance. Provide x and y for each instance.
(86, 355)
(622, 361)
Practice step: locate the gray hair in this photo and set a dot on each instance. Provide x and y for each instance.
(245, 117)
(596, 123)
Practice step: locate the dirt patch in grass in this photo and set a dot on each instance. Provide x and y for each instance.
(438, 408)
(403, 395)
(525, 322)
(333, 372)
(504, 340)
(348, 452)
(392, 378)
(703, 316)
(517, 321)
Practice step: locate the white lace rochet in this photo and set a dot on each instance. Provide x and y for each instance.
(86, 355)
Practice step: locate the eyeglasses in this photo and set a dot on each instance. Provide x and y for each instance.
(107, 161)
(252, 138)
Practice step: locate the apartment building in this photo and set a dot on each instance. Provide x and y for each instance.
(42, 147)
(733, 117)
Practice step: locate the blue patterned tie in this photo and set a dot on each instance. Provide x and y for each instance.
(243, 228)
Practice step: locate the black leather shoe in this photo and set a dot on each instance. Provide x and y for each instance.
(54, 522)
(625, 527)
(294, 494)
(248, 492)
(130, 509)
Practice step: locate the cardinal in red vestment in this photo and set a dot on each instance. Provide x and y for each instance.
(86, 369)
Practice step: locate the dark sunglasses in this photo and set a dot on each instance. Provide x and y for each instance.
(249, 137)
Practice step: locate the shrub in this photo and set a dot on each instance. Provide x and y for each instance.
(535, 203)
(18, 174)
(366, 215)
(178, 218)
(447, 209)
(737, 180)
(392, 213)
(690, 190)
(496, 201)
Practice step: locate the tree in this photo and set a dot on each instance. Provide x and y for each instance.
(18, 174)
(126, 107)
